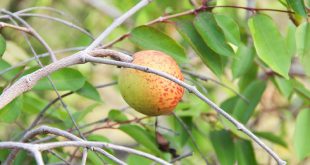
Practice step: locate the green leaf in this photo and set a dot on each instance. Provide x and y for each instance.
(243, 60)
(135, 159)
(223, 145)
(284, 86)
(89, 91)
(253, 92)
(245, 152)
(248, 77)
(149, 38)
(302, 134)
(301, 89)
(118, 116)
(229, 27)
(207, 55)
(303, 45)
(141, 136)
(272, 138)
(212, 34)
(298, 6)
(9, 74)
(291, 39)
(64, 79)
(10, 112)
(99, 138)
(229, 104)
(80, 115)
(2, 45)
(269, 44)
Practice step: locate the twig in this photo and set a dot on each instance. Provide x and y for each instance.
(84, 156)
(205, 78)
(181, 157)
(7, 25)
(116, 23)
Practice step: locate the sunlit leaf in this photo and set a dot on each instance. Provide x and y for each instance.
(269, 44)
(207, 55)
(302, 134)
(2, 45)
(117, 115)
(212, 34)
(11, 111)
(229, 27)
(303, 45)
(149, 38)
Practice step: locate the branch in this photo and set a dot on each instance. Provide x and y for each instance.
(19, 28)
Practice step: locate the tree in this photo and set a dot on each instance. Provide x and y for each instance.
(242, 70)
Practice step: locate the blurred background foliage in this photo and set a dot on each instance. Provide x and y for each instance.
(274, 102)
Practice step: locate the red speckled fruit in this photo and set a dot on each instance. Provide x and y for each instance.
(148, 93)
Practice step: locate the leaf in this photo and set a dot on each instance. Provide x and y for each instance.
(9, 74)
(212, 34)
(284, 86)
(303, 45)
(298, 6)
(301, 89)
(248, 77)
(10, 112)
(116, 115)
(272, 138)
(253, 92)
(243, 60)
(135, 159)
(229, 104)
(207, 55)
(141, 136)
(80, 115)
(302, 134)
(245, 152)
(2, 45)
(229, 27)
(223, 145)
(149, 38)
(89, 91)
(64, 79)
(291, 39)
(269, 44)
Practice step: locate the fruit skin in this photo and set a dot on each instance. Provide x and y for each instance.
(148, 93)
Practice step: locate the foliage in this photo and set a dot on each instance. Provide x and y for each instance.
(264, 58)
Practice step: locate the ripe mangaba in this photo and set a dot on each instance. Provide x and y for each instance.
(148, 93)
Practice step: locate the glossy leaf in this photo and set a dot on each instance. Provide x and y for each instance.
(64, 79)
(303, 45)
(212, 34)
(302, 134)
(243, 60)
(207, 55)
(2, 45)
(253, 92)
(141, 136)
(89, 91)
(298, 6)
(116, 115)
(272, 138)
(229, 27)
(245, 152)
(223, 145)
(149, 38)
(269, 44)
(11, 111)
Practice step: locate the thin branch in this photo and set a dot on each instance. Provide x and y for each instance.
(19, 28)
(205, 78)
(182, 157)
(116, 23)
(84, 156)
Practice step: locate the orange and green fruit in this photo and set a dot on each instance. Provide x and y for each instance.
(148, 93)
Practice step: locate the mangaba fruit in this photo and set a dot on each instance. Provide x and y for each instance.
(148, 93)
